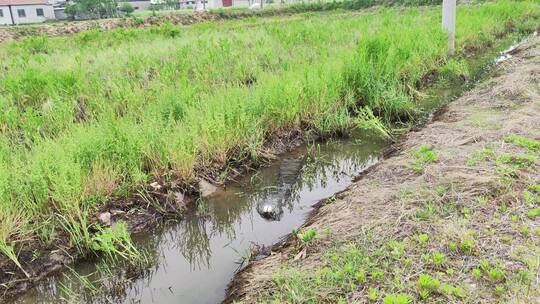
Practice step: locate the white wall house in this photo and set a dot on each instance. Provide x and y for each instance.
(25, 11)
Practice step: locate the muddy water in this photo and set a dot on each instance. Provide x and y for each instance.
(195, 258)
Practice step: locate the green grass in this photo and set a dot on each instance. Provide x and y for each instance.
(423, 156)
(97, 115)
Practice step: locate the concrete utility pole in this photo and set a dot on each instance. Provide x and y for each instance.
(449, 23)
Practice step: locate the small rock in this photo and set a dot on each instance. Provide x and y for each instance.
(179, 198)
(105, 218)
(206, 188)
(155, 185)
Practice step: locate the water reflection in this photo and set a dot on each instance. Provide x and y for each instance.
(192, 261)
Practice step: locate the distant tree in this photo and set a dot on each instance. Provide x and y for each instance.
(172, 4)
(71, 10)
(88, 9)
(126, 8)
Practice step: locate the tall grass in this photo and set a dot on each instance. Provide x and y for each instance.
(100, 114)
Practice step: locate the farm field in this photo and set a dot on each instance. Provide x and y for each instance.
(109, 118)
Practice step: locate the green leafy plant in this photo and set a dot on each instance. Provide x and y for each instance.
(423, 238)
(427, 285)
(424, 155)
(516, 160)
(524, 142)
(467, 246)
(438, 259)
(533, 213)
(481, 155)
(400, 298)
(308, 236)
(373, 294)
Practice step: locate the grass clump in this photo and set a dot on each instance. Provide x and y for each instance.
(307, 237)
(481, 155)
(533, 213)
(427, 285)
(532, 145)
(424, 155)
(492, 274)
(438, 259)
(467, 246)
(400, 298)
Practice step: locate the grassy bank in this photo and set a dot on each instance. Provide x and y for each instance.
(99, 115)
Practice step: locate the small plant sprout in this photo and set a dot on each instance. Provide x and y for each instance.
(514, 218)
(495, 274)
(481, 156)
(467, 246)
(533, 213)
(307, 237)
(525, 276)
(441, 190)
(373, 294)
(530, 144)
(377, 275)
(438, 259)
(361, 275)
(452, 291)
(516, 161)
(476, 273)
(423, 238)
(396, 248)
(427, 285)
(535, 188)
(466, 212)
(400, 298)
(426, 213)
(423, 156)
(452, 246)
(528, 198)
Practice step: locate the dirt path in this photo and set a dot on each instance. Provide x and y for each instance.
(452, 217)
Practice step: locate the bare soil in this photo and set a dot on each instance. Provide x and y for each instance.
(471, 192)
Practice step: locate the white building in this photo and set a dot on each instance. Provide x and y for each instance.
(25, 11)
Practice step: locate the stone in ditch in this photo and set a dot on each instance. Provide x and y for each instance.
(206, 188)
(105, 218)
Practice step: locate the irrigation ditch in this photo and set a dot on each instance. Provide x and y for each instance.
(194, 259)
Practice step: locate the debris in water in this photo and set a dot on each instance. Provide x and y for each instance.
(206, 188)
(271, 204)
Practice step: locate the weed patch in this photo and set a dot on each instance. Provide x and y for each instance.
(424, 156)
